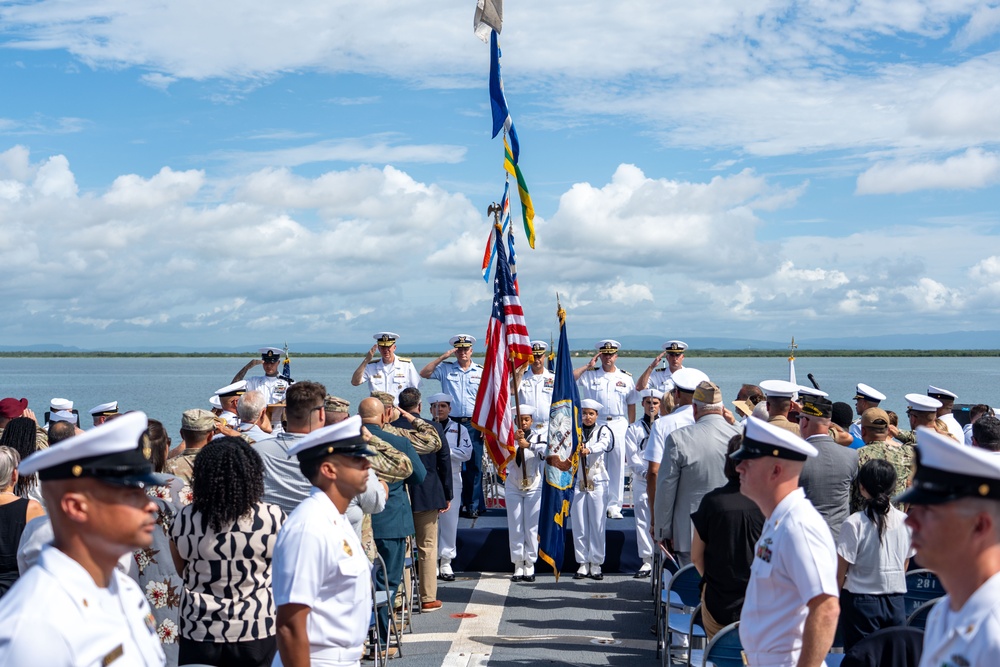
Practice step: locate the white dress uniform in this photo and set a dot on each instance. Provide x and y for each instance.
(77, 624)
(682, 416)
(615, 391)
(273, 388)
(523, 494)
(969, 636)
(590, 503)
(954, 428)
(393, 378)
(319, 562)
(795, 560)
(461, 451)
(536, 390)
(660, 382)
(636, 438)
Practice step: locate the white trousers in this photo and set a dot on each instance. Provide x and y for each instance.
(590, 518)
(523, 508)
(614, 461)
(448, 522)
(641, 501)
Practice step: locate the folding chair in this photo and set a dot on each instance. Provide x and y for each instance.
(921, 586)
(381, 599)
(411, 598)
(664, 567)
(918, 619)
(679, 600)
(725, 649)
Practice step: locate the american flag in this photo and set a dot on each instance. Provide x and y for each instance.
(507, 346)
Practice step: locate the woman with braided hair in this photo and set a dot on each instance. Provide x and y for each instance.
(873, 550)
(222, 546)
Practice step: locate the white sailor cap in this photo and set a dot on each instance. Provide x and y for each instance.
(921, 403)
(461, 340)
(590, 404)
(939, 393)
(60, 404)
(340, 438)
(762, 439)
(778, 388)
(116, 452)
(539, 346)
(234, 389)
(525, 409)
(688, 379)
(947, 470)
(811, 391)
(63, 416)
(649, 393)
(386, 338)
(271, 354)
(439, 397)
(608, 346)
(109, 408)
(214, 400)
(676, 346)
(868, 393)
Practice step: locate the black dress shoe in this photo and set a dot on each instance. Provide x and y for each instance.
(447, 577)
(528, 578)
(642, 574)
(473, 514)
(465, 513)
(516, 578)
(579, 575)
(597, 577)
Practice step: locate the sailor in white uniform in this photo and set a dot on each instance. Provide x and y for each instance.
(590, 503)
(321, 576)
(947, 399)
(954, 518)
(535, 387)
(229, 396)
(270, 384)
(523, 493)
(74, 608)
(390, 373)
(864, 397)
(615, 391)
(659, 379)
(636, 438)
(100, 413)
(457, 437)
(62, 406)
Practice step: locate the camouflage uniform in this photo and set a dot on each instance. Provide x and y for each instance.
(182, 465)
(390, 464)
(422, 434)
(900, 456)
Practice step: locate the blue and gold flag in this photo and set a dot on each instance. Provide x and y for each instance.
(564, 440)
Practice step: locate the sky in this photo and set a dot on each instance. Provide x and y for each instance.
(223, 174)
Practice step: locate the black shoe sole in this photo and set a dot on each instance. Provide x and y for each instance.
(516, 578)
(642, 575)
(447, 577)
(580, 576)
(529, 579)
(597, 577)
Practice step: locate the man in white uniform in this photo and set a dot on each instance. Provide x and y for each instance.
(864, 397)
(390, 374)
(954, 517)
(590, 502)
(229, 396)
(947, 399)
(322, 578)
(74, 607)
(101, 413)
(523, 494)
(636, 438)
(615, 391)
(791, 607)
(658, 379)
(272, 385)
(457, 438)
(534, 387)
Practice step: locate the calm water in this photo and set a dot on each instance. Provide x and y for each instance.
(164, 388)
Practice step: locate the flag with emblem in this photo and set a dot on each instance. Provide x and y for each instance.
(491, 251)
(564, 439)
(507, 346)
(286, 368)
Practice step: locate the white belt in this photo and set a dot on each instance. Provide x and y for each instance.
(611, 419)
(337, 653)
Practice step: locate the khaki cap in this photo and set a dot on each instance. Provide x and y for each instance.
(336, 404)
(875, 418)
(707, 392)
(198, 420)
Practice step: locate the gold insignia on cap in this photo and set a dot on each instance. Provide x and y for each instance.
(774, 452)
(77, 470)
(347, 549)
(147, 446)
(984, 489)
(329, 450)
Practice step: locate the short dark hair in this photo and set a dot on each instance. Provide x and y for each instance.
(979, 410)
(302, 397)
(59, 431)
(893, 418)
(409, 398)
(842, 414)
(732, 474)
(986, 433)
(750, 392)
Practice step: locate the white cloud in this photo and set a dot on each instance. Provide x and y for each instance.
(378, 149)
(627, 294)
(973, 169)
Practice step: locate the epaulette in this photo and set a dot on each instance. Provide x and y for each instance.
(404, 360)
(625, 372)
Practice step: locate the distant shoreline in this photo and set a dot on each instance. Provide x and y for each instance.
(576, 353)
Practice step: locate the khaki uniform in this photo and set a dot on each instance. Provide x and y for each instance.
(782, 422)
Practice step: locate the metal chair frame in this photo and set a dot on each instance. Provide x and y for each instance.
(381, 599)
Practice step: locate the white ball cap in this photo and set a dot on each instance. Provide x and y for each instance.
(938, 392)
(232, 389)
(688, 379)
(340, 438)
(439, 397)
(108, 408)
(947, 470)
(647, 393)
(113, 437)
(778, 388)
(214, 400)
(60, 404)
(811, 391)
(62, 416)
(675, 346)
(869, 393)
(525, 410)
(921, 403)
(762, 439)
(590, 404)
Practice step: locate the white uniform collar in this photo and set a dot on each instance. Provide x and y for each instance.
(324, 501)
(782, 508)
(73, 577)
(967, 620)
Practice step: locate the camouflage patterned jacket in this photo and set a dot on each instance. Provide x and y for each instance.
(900, 456)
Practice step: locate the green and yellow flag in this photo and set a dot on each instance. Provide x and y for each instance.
(527, 208)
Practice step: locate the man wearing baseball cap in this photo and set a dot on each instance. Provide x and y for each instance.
(954, 517)
(74, 607)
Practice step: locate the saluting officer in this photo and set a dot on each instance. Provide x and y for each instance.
(954, 517)
(590, 503)
(615, 391)
(659, 379)
(791, 607)
(73, 607)
(535, 387)
(390, 374)
(523, 493)
(272, 385)
(321, 576)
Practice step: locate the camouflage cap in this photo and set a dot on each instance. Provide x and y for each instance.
(198, 420)
(386, 399)
(336, 404)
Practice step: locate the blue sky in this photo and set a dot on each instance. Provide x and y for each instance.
(182, 174)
